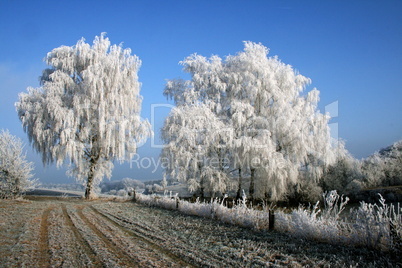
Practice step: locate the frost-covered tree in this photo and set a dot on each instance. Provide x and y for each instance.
(87, 110)
(126, 184)
(384, 168)
(153, 188)
(344, 175)
(15, 171)
(277, 131)
(284, 128)
(132, 184)
(373, 170)
(192, 134)
(393, 163)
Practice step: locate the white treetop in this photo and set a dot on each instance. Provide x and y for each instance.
(15, 171)
(276, 130)
(87, 110)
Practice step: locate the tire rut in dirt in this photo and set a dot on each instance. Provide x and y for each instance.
(80, 239)
(138, 236)
(177, 246)
(43, 251)
(121, 255)
(196, 258)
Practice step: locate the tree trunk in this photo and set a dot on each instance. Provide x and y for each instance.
(251, 190)
(89, 193)
(238, 195)
(89, 189)
(202, 189)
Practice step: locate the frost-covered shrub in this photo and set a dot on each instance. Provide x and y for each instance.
(151, 189)
(122, 192)
(344, 176)
(167, 202)
(377, 225)
(202, 209)
(314, 223)
(306, 191)
(239, 215)
(15, 171)
(242, 215)
(369, 225)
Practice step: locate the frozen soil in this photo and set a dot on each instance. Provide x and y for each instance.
(71, 232)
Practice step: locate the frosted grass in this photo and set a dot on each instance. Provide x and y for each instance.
(376, 226)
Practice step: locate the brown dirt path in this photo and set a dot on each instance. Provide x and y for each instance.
(43, 251)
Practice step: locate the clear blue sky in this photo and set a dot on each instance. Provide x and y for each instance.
(352, 51)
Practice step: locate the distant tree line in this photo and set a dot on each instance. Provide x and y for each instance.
(127, 185)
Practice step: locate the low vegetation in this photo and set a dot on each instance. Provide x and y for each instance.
(376, 226)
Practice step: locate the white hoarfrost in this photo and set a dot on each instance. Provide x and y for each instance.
(375, 226)
(191, 133)
(384, 168)
(274, 133)
(87, 110)
(15, 171)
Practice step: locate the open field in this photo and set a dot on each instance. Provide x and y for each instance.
(70, 232)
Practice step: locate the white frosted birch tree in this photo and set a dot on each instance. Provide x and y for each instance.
(277, 131)
(15, 171)
(87, 111)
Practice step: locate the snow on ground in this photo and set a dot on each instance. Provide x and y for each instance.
(71, 232)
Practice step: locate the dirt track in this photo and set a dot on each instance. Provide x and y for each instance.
(69, 232)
